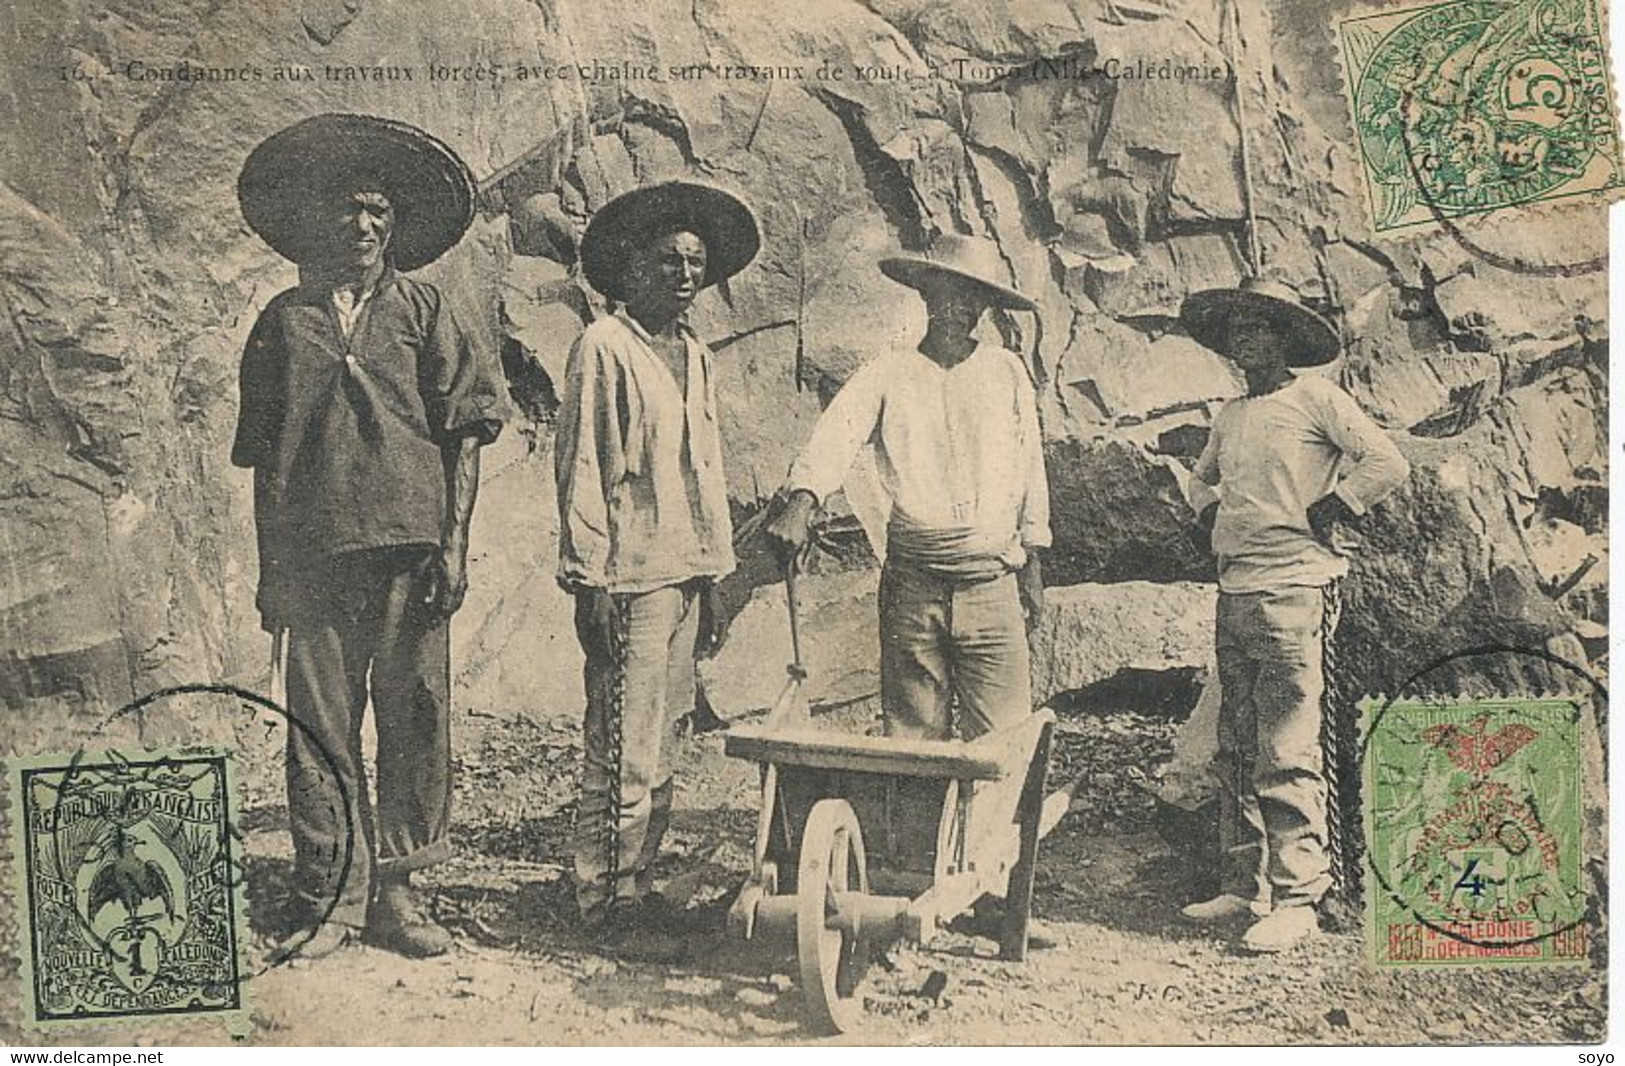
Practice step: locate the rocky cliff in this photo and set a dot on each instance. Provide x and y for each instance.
(129, 282)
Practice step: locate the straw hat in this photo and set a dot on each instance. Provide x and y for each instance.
(620, 227)
(1311, 340)
(288, 179)
(965, 258)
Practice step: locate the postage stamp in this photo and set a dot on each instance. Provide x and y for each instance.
(1473, 833)
(1462, 107)
(128, 886)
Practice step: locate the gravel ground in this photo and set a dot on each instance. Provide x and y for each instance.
(1122, 968)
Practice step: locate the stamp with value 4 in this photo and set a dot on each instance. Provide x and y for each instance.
(1463, 107)
(130, 895)
(1473, 833)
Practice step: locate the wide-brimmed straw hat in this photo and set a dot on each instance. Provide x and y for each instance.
(715, 216)
(965, 258)
(293, 174)
(1310, 339)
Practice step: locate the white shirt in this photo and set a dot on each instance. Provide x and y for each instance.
(643, 502)
(1271, 457)
(959, 452)
(349, 304)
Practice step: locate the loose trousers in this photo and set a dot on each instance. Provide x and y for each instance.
(635, 696)
(1272, 814)
(361, 628)
(947, 643)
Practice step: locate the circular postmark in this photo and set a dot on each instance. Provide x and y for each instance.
(1469, 107)
(1474, 812)
(166, 866)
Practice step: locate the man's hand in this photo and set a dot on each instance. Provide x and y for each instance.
(713, 622)
(791, 529)
(1326, 514)
(1030, 586)
(277, 601)
(448, 571)
(447, 582)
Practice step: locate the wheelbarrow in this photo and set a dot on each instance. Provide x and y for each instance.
(866, 840)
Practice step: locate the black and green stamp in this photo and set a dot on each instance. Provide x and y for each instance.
(129, 886)
(1473, 819)
(1464, 107)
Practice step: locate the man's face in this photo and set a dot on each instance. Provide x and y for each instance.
(1254, 344)
(949, 302)
(669, 272)
(358, 228)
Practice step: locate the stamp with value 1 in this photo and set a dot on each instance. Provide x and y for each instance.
(129, 889)
(1463, 107)
(1473, 833)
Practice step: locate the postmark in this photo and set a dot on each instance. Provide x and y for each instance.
(263, 725)
(1473, 819)
(128, 887)
(1465, 107)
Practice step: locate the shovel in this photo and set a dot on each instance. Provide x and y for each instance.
(791, 709)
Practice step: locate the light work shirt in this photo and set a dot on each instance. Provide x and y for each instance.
(643, 501)
(959, 453)
(1272, 456)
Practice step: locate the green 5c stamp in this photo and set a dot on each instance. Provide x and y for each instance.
(131, 902)
(1466, 106)
(1473, 833)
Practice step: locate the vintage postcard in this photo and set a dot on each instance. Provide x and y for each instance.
(721, 522)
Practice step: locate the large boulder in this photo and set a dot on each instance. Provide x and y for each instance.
(1091, 633)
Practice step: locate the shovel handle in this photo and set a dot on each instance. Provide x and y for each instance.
(792, 600)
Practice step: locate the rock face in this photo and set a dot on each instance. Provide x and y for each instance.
(1091, 633)
(130, 282)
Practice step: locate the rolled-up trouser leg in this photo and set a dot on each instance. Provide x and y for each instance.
(628, 738)
(329, 809)
(411, 698)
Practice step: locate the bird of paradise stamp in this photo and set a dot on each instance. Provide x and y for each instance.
(131, 903)
(1473, 830)
(1463, 107)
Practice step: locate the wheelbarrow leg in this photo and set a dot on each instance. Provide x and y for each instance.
(1018, 899)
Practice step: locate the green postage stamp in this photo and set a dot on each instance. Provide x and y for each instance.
(129, 886)
(1466, 106)
(1473, 833)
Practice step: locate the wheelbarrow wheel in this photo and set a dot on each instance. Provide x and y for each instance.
(832, 959)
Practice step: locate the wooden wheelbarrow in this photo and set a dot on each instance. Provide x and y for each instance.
(863, 840)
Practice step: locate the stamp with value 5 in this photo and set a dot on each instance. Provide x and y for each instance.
(1473, 832)
(1463, 107)
(130, 895)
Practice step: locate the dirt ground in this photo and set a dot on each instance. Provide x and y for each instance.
(1123, 968)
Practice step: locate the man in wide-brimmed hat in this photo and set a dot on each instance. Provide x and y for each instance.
(954, 425)
(644, 528)
(1291, 461)
(364, 406)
